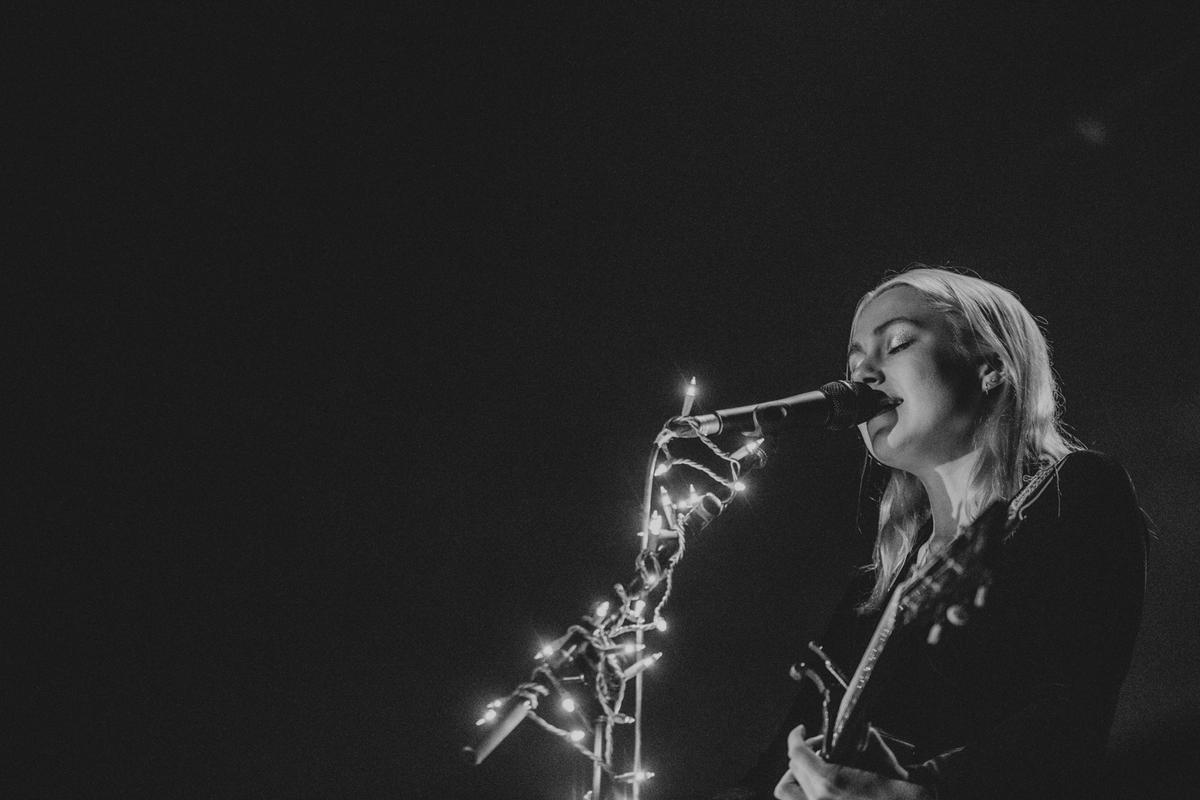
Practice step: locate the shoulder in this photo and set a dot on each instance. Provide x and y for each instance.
(1087, 491)
(1085, 478)
(1091, 466)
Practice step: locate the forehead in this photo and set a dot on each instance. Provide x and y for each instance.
(901, 301)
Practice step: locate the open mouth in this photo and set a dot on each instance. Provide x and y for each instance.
(885, 417)
(890, 405)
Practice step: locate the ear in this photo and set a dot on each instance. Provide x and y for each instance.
(990, 373)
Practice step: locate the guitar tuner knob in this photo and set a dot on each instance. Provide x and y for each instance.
(957, 615)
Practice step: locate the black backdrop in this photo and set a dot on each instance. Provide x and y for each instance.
(349, 332)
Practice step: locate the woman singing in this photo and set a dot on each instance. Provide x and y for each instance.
(1018, 703)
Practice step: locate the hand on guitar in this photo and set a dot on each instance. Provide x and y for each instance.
(809, 777)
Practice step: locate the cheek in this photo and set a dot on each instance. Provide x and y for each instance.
(943, 386)
(956, 385)
(862, 430)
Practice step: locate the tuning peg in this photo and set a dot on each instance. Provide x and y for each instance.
(957, 615)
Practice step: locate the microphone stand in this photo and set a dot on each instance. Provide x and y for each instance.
(589, 655)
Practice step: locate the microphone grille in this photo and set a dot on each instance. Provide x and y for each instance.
(850, 403)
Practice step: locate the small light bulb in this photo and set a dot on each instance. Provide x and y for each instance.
(490, 714)
(639, 607)
(640, 665)
(568, 704)
(739, 486)
(577, 735)
(662, 469)
(749, 447)
(546, 651)
(629, 649)
(656, 523)
(691, 387)
(660, 623)
(602, 610)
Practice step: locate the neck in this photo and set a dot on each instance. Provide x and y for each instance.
(948, 485)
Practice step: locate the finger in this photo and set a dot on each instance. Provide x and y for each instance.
(788, 789)
(800, 751)
(814, 743)
(796, 737)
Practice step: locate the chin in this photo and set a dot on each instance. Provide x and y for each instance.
(888, 452)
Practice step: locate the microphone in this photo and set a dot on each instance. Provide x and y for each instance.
(836, 405)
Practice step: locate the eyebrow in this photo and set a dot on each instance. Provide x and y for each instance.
(855, 347)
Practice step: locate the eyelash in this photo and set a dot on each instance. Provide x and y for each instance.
(896, 348)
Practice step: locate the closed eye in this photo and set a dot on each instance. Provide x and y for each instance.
(898, 346)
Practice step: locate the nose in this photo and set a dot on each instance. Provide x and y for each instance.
(867, 371)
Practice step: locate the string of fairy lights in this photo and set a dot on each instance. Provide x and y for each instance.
(579, 689)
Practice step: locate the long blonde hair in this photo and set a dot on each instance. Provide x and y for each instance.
(1019, 426)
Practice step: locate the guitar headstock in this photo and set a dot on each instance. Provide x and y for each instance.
(955, 580)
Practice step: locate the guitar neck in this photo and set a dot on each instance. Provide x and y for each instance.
(846, 737)
(961, 570)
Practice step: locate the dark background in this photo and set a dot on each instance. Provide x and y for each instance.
(346, 335)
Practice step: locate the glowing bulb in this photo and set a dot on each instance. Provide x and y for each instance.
(629, 649)
(739, 486)
(602, 610)
(656, 523)
(689, 397)
(576, 735)
(489, 715)
(749, 447)
(662, 468)
(660, 623)
(639, 607)
(568, 705)
(638, 666)
(668, 507)
(546, 651)
(693, 498)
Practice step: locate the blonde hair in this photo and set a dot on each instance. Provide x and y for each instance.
(1019, 426)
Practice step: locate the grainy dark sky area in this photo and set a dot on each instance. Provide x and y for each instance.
(350, 331)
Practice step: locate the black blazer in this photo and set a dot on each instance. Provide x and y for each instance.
(1018, 703)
